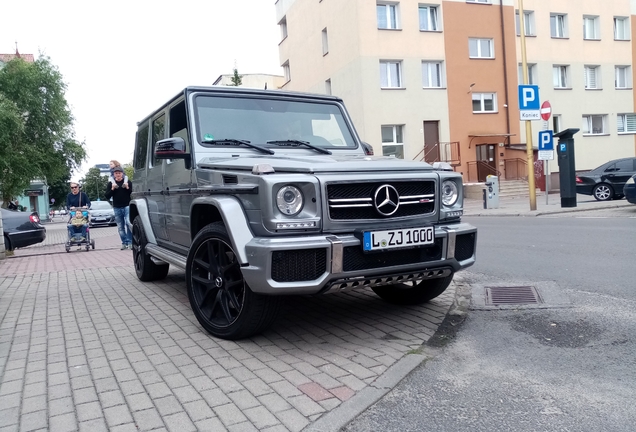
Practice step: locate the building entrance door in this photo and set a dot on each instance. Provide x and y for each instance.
(486, 161)
(431, 141)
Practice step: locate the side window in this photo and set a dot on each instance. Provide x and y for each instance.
(625, 166)
(158, 132)
(179, 123)
(141, 148)
(611, 168)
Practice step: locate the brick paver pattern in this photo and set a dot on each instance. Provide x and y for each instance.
(85, 345)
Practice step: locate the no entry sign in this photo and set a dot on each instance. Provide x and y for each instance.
(546, 110)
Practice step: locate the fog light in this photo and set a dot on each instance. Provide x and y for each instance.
(296, 225)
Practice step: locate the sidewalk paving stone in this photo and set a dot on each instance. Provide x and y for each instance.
(117, 351)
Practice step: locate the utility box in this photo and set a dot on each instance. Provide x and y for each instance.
(491, 192)
(567, 169)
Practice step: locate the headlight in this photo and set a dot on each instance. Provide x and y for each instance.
(449, 193)
(289, 200)
(630, 181)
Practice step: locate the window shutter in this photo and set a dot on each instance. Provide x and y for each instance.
(630, 123)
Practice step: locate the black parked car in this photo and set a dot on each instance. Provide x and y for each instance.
(629, 190)
(607, 181)
(21, 229)
(101, 213)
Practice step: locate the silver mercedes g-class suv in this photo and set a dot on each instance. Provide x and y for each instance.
(262, 193)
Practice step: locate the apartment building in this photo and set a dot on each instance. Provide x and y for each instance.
(438, 80)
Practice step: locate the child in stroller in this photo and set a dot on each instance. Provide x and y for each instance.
(78, 230)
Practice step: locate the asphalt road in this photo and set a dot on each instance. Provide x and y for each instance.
(552, 369)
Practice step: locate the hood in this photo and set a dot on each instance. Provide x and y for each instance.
(316, 163)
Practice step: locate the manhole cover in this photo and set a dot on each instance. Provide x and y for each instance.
(512, 295)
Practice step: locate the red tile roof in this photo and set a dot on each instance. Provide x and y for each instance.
(6, 58)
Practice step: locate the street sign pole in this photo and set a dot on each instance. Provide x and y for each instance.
(529, 145)
(546, 112)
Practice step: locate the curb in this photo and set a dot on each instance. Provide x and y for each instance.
(534, 213)
(346, 412)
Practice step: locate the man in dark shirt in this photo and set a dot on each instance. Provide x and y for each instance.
(76, 200)
(121, 200)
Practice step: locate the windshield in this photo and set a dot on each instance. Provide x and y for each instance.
(261, 120)
(100, 205)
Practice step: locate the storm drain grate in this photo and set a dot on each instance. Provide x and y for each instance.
(512, 295)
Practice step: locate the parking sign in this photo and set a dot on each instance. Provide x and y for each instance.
(529, 102)
(546, 145)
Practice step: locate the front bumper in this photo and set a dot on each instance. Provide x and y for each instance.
(317, 264)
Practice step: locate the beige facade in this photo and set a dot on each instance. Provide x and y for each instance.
(448, 71)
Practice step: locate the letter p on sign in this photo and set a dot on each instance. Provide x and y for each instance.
(529, 97)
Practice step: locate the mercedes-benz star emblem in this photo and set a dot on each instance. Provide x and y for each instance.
(386, 200)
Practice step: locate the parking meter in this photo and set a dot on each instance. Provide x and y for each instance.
(567, 170)
(491, 192)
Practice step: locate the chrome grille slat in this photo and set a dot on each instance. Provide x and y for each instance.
(354, 201)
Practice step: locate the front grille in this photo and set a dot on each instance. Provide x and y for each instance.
(298, 265)
(464, 246)
(355, 259)
(355, 201)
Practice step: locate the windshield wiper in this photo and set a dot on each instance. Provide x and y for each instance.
(237, 142)
(296, 143)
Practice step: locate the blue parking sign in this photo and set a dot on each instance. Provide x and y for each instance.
(529, 97)
(546, 140)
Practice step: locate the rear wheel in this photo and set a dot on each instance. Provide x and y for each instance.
(221, 300)
(7, 243)
(414, 293)
(145, 268)
(603, 192)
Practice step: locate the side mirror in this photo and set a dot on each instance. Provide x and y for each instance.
(171, 148)
(368, 149)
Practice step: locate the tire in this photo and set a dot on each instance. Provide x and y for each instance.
(93, 244)
(145, 268)
(221, 300)
(415, 293)
(7, 243)
(603, 192)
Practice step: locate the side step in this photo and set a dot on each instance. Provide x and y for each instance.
(165, 256)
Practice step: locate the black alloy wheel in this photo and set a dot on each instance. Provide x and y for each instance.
(220, 298)
(603, 192)
(145, 268)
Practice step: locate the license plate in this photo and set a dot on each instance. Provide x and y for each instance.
(397, 238)
(100, 219)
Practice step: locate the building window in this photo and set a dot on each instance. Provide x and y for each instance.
(480, 48)
(528, 23)
(429, 18)
(391, 74)
(484, 102)
(560, 75)
(325, 42)
(592, 77)
(622, 77)
(393, 141)
(432, 74)
(328, 86)
(591, 28)
(621, 28)
(558, 26)
(286, 72)
(594, 124)
(532, 73)
(283, 28)
(388, 16)
(556, 123)
(626, 123)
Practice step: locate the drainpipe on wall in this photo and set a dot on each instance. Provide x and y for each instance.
(505, 69)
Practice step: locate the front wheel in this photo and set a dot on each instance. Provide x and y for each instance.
(603, 192)
(221, 300)
(145, 268)
(413, 293)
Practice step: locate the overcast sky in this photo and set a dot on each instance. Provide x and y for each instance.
(122, 59)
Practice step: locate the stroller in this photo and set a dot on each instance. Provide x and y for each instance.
(78, 223)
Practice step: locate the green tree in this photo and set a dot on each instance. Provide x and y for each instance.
(94, 184)
(129, 170)
(37, 140)
(58, 190)
(237, 79)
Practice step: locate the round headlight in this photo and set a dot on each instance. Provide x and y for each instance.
(289, 200)
(449, 193)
